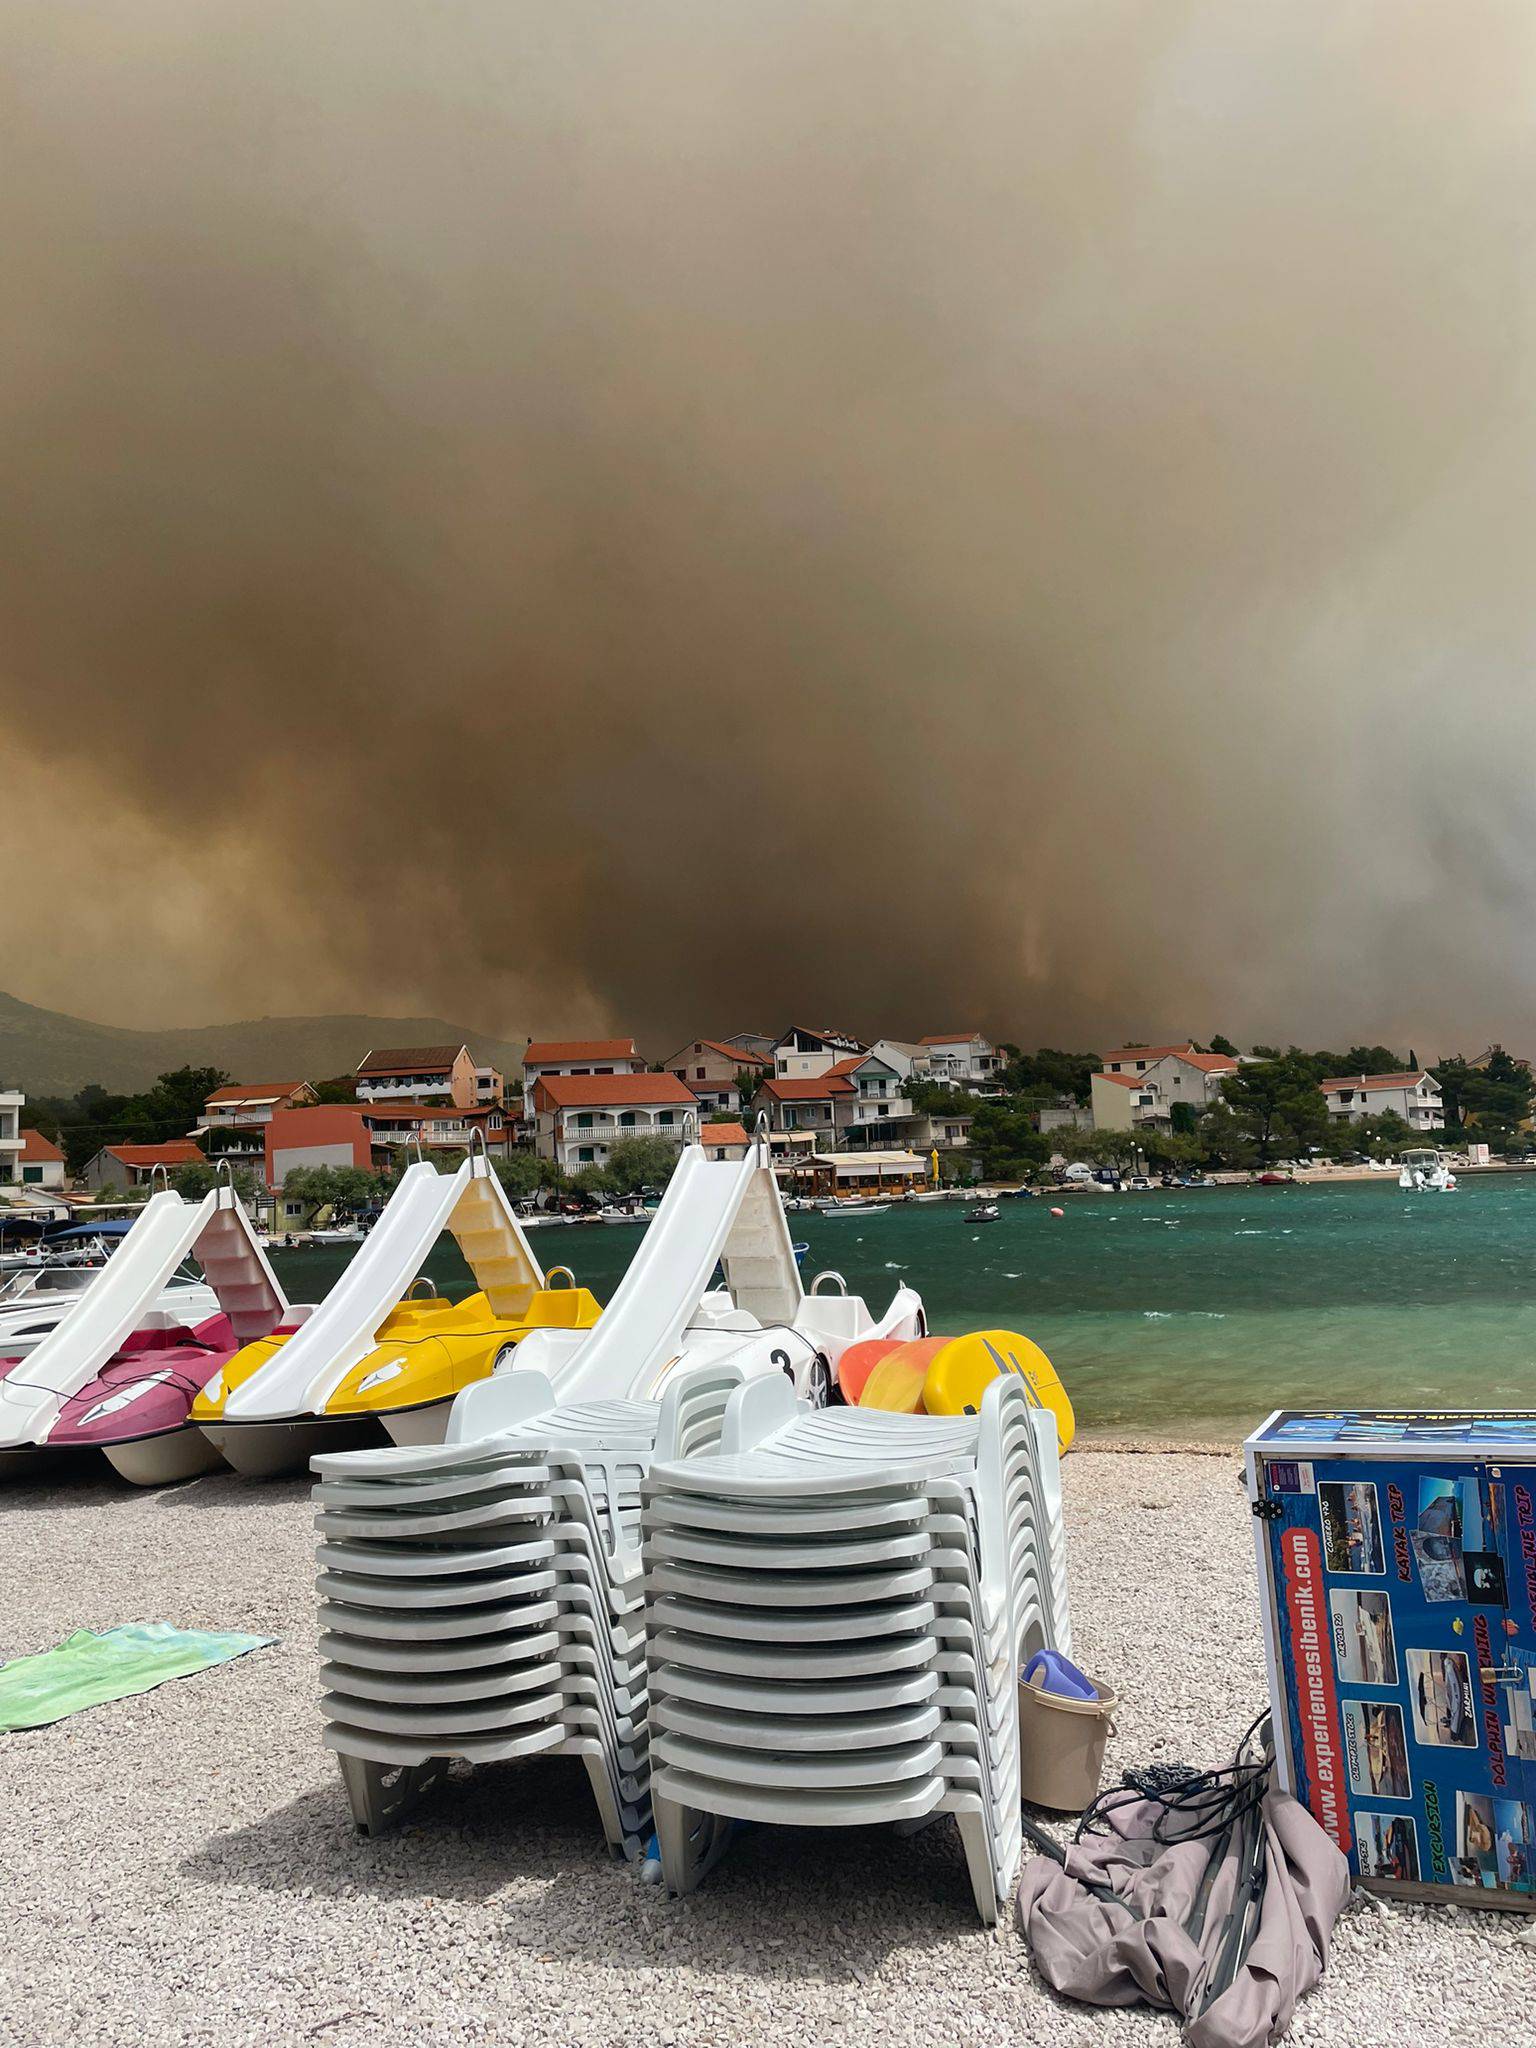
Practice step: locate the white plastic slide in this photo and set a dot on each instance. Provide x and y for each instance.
(215, 1231)
(713, 1213)
(471, 1203)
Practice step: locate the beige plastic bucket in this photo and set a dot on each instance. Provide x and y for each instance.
(1061, 1747)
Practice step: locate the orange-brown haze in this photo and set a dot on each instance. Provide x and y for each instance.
(687, 514)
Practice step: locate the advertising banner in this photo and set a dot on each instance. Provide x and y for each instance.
(1402, 1557)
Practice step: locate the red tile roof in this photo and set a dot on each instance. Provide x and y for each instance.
(35, 1147)
(817, 1089)
(178, 1152)
(545, 1052)
(1371, 1081)
(1209, 1062)
(734, 1052)
(1146, 1052)
(1124, 1080)
(255, 1091)
(841, 1068)
(589, 1091)
(411, 1059)
(723, 1134)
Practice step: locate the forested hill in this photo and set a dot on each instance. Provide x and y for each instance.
(46, 1052)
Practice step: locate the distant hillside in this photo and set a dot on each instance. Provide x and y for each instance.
(47, 1053)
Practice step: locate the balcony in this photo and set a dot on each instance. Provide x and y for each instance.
(605, 1130)
(386, 1088)
(882, 1109)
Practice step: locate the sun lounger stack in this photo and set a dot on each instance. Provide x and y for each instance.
(838, 1607)
(481, 1598)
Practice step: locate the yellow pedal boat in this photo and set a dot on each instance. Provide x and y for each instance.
(426, 1351)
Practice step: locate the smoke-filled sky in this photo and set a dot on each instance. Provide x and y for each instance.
(687, 514)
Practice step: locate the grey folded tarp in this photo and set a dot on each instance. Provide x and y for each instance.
(1167, 1945)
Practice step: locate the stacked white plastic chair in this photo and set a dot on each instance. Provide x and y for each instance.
(481, 1598)
(838, 1607)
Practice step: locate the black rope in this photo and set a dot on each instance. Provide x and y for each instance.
(1195, 1805)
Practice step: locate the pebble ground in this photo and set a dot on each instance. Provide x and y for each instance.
(182, 1868)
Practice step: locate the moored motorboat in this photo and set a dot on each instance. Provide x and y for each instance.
(988, 1212)
(1425, 1171)
(33, 1303)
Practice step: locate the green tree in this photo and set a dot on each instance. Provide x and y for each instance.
(193, 1181)
(1051, 1071)
(175, 1103)
(1380, 1137)
(1004, 1143)
(1455, 1077)
(1225, 1141)
(1224, 1046)
(314, 1187)
(1497, 1096)
(635, 1163)
(518, 1173)
(1278, 1104)
(341, 1088)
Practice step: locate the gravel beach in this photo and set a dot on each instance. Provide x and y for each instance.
(182, 1868)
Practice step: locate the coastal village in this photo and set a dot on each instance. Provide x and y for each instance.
(591, 1119)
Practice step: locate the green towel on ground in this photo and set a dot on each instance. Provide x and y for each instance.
(87, 1669)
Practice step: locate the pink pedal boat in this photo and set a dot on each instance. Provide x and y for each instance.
(138, 1408)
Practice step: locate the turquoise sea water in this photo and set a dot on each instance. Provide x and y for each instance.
(1184, 1314)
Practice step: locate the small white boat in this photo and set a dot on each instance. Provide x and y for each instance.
(32, 1305)
(349, 1233)
(627, 1212)
(852, 1205)
(987, 1213)
(1426, 1172)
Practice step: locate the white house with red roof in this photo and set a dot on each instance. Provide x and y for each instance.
(579, 1118)
(808, 1103)
(418, 1073)
(1140, 1084)
(965, 1059)
(1122, 1101)
(1136, 1060)
(39, 1163)
(1414, 1097)
(575, 1057)
(128, 1166)
(727, 1141)
(710, 1066)
(801, 1054)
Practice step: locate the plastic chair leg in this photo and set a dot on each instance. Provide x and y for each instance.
(380, 1795)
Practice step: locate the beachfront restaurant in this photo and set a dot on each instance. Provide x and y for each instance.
(808, 1172)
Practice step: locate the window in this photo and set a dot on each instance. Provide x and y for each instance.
(627, 1120)
(584, 1121)
(32, 1174)
(664, 1116)
(584, 1154)
(698, 1073)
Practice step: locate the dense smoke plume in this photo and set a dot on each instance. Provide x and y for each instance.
(691, 513)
